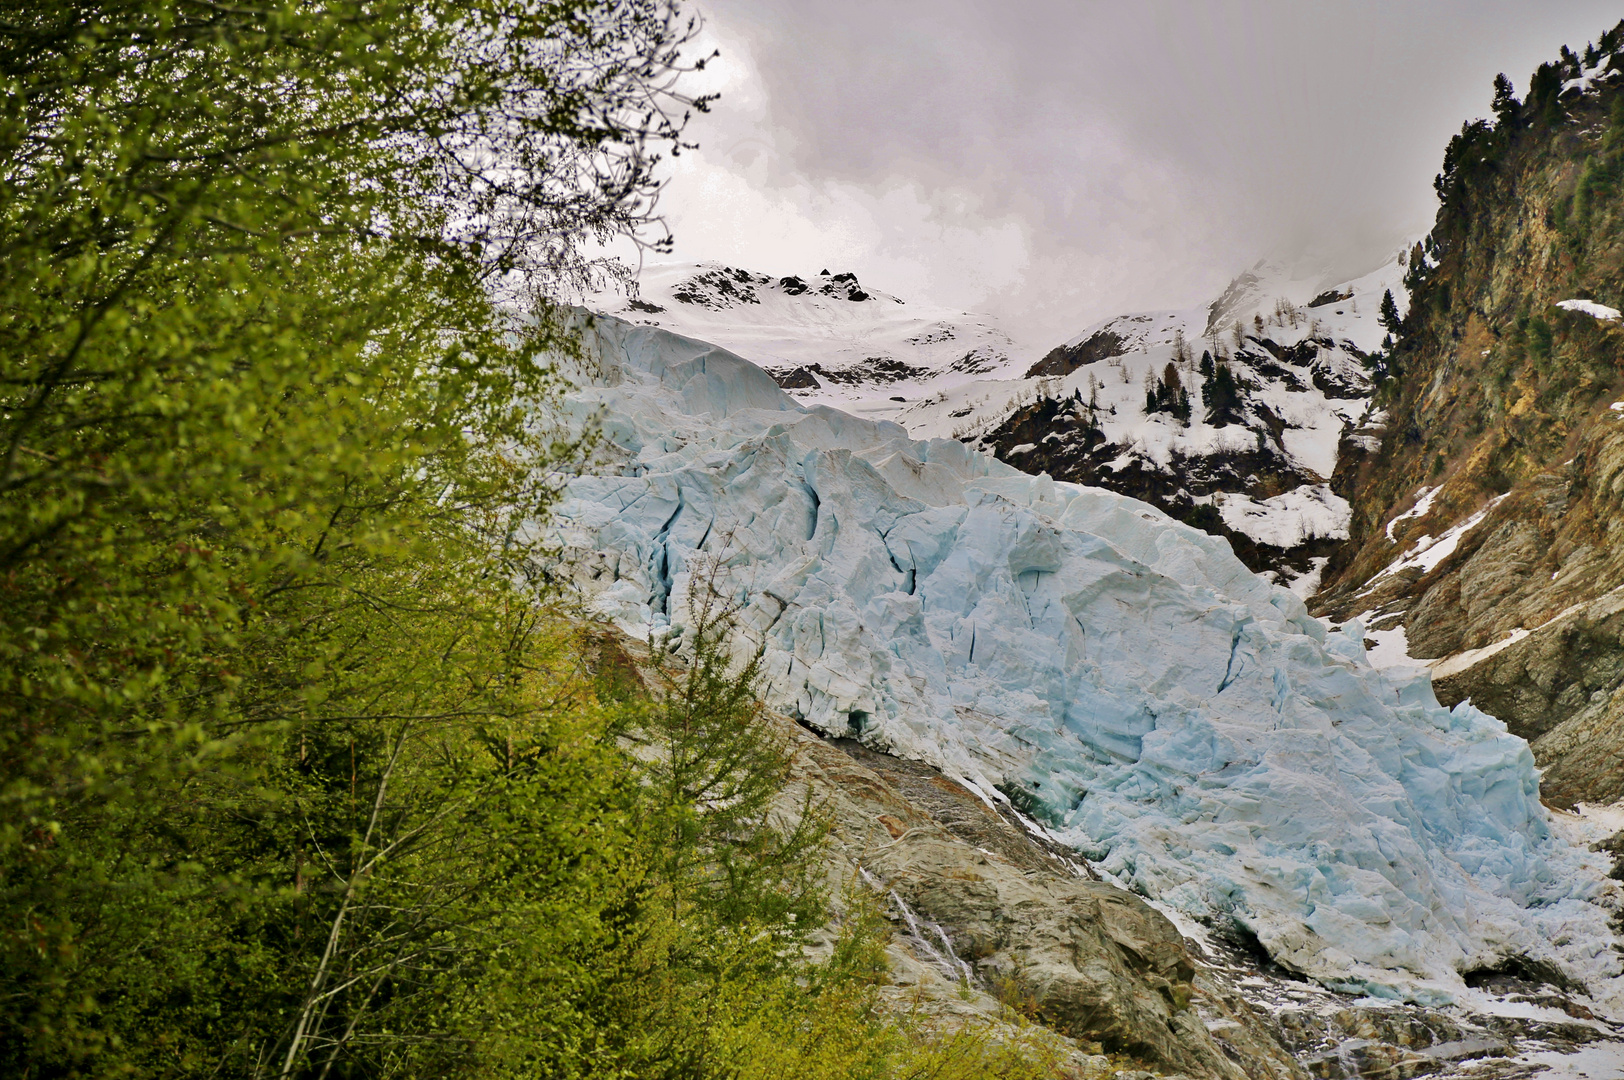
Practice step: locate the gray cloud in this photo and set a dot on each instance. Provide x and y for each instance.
(1057, 162)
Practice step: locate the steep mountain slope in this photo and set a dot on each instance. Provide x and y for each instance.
(1485, 532)
(825, 338)
(1228, 417)
(1114, 675)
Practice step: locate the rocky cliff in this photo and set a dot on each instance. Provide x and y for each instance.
(1485, 525)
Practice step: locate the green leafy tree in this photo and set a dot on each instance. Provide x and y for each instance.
(297, 776)
(265, 439)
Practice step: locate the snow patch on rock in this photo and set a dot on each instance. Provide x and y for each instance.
(1305, 513)
(1591, 308)
(1423, 505)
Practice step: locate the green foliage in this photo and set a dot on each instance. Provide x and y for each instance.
(297, 776)
(1222, 395)
(1544, 89)
(1505, 103)
(714, 775)
(1476, 149)
(1388, 315)
(1540, 337)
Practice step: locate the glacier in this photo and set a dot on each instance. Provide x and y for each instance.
(1120, 677)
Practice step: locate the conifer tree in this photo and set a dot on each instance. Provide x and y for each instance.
(1505, 101)
(1388, 315)
(1222, 396)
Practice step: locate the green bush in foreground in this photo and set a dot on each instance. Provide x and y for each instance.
(297, 777)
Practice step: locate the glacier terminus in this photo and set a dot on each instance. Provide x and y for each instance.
(1119, 677)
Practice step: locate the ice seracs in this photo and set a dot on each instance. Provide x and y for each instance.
(1119, 676)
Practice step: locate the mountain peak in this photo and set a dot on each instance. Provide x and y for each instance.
(827, 338)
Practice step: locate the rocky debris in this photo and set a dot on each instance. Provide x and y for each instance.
(801, 378)
(978, 361)
(1519, 1025)
(843, 286)
(982, 906)
(1614, 846)
(720, 288)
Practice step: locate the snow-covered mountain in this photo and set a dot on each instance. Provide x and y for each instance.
(1228, 416)
(1242, 445)
(1117, 676)
(826, 338)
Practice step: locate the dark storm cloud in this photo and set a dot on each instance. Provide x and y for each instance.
(1140, 152)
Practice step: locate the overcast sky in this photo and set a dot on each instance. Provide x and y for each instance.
(1057, 162)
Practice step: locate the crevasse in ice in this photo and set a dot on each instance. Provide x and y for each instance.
(1161, 708)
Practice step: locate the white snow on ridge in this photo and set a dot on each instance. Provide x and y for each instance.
(1167, 712)
(870, 348)
(1591, 76)
(1300, 366)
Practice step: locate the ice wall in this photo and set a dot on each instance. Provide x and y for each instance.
(1164, 710)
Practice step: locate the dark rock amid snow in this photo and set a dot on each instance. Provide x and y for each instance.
(1063, 360)
(1231, 417)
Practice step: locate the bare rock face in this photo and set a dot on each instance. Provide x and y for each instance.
(979, 898)
(1524, 616)
(1563, 690)
(1063, 361)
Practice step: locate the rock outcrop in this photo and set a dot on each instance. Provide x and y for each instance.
(1487, 524)
(1020, 919)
